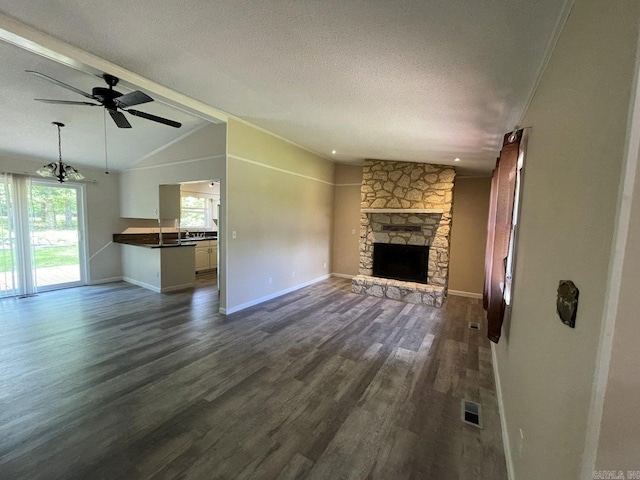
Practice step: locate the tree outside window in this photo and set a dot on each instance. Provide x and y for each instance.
(195, 211)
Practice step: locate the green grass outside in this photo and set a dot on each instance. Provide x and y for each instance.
(45, 257)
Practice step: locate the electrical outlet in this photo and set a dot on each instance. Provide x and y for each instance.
(293, 274)
(521, 444)
(233, 234)
(353, 231)
(324, 265)
(270, 280)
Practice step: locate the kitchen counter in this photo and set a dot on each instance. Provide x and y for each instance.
(200, 239)
(168, 244)
(152, 240)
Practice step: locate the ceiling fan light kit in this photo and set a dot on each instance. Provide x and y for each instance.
(113, 101)
(61, 171)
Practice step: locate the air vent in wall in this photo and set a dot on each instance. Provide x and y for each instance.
(472, 413)
(474, 325)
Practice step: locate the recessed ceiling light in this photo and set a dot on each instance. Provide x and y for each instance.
(333, 152)
(457, 160)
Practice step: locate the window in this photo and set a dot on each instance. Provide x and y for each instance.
(196, 210)
(514, 227)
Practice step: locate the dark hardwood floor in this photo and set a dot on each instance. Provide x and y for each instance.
(118, 382)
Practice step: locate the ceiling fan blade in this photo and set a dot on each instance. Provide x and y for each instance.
(133, 98)
(120, 119)
(66, 102)
(154, 118)
(61, 84)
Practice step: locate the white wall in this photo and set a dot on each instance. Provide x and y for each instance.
(196, 157)
(102, 202)
(572, 173)
(141, 266)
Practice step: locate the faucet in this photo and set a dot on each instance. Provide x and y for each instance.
(177, 225)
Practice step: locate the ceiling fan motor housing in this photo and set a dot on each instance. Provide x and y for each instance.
(106, 96)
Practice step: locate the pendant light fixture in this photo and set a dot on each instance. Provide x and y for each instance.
(60, 170)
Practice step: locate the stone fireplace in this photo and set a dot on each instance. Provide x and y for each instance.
(404, 203)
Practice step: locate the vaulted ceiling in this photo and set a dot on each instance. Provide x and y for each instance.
(424, 81)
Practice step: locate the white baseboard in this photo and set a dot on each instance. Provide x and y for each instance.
(141, 284)
(148, 286)
(460, 293)
(237, 308)
(342, 275)
(503, 419)
(100, 281)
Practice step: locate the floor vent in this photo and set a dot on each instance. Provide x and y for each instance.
(474, 325)
(472, 413)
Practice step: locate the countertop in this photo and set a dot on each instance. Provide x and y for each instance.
(152, 240)
(169, 244)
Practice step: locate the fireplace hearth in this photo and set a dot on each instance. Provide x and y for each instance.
(408, 263)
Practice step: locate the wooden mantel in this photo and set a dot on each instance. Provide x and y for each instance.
(402, 210)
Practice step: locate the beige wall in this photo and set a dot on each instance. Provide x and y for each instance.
(103, 257)
(280, 204)
(346, 219)
(468, 234)
(619, 442)
(571, 182)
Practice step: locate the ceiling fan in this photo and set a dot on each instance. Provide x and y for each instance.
(115, 102)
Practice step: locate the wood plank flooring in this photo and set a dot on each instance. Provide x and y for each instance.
(117, 382)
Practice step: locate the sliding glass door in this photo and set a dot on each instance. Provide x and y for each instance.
(55, 227)
(41, 225)
(8, 260)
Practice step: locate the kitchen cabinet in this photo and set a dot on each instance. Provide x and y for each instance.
(169, 200)
(206, 255)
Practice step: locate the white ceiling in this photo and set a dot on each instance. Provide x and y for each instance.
(393, 79)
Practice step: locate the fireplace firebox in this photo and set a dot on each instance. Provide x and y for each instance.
(408, 263)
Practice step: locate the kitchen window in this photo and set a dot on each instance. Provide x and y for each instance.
(196, 211)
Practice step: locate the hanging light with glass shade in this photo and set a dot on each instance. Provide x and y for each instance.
(60, 170)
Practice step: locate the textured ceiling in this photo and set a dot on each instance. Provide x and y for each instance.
(401, 80)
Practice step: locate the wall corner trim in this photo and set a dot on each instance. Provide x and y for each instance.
(503, 419)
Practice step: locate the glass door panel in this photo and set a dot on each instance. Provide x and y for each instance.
(8, 274)
(55, 225)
